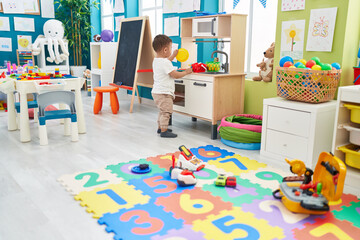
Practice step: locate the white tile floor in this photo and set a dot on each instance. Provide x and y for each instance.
(34, 206)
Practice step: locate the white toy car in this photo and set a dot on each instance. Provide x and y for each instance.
(188, 161)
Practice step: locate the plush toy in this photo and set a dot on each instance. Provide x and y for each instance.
(266, 66)
(54, 36)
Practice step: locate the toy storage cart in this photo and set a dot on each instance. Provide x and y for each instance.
(49, 85)
(346, 133)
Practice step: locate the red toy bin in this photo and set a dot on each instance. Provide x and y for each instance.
(357, 75)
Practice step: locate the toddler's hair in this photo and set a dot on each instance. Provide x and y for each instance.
(161, 41)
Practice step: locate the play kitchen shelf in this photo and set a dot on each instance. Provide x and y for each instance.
(346, 141)
(212, 95)
(224, 27)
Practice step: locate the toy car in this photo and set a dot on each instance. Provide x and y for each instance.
(186, 178)
(231, 182)
(221, 180)
(188, 161)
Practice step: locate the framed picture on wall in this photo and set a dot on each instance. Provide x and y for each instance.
(28, 7)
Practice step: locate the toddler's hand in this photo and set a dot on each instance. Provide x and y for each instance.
(175, 52)
(188, 70)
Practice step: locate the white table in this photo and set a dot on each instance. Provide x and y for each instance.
(25, 87)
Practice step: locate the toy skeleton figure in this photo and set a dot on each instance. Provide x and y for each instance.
(54, 36)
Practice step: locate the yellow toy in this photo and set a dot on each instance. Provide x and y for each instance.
(313, 196)
(182, 55)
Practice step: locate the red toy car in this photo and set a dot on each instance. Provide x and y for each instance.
(231, 182)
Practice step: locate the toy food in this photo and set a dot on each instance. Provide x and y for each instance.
(182, 55)
(198, 67)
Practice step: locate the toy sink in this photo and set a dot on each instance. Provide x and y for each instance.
(354, 134)
(355, 112)
(352, 155)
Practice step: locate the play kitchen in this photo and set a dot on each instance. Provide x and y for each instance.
(215, 89)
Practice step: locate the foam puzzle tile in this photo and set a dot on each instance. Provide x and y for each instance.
(237, 224)
(267, 177)
(158, 185)
(186, 233)
(124, 169)
(194, 204)
(140, 222)
(245, 192)
(111, 198)
(328, 228)
(164, 161)
(237, 164)
(88, 180)
(209, 174)
(346, 200)
(210, 152)
(350, 213)
(269, 209)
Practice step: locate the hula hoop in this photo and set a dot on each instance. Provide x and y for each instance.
(253, 128)
(245, 146)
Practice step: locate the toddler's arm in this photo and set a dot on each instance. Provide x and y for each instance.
(175, 74)
(173, 55)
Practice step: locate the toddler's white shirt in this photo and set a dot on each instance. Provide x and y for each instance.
(163, 83)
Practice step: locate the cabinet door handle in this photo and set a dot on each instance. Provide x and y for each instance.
(200, 84)
(179, 81)
(212, 26)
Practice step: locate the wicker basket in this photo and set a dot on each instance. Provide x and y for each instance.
(304, 85)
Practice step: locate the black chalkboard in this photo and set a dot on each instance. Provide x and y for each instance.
(128, 48)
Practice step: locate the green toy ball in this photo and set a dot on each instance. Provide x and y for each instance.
(317, 60)
(301, 66)
(326, 67)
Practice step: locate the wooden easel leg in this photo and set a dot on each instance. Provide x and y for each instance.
(132, 101)
(137, 92)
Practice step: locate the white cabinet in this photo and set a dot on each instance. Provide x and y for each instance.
(349, 95)
(194, 97)
(296, 130)
(102, 71)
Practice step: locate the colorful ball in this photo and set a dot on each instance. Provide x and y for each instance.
(107, 35)
(292, 66)
(288, 64)
(285, 59)
(310, 63)
(297, 64)
(326, 67)
(336, 65)
(316, 59)
(301, 66)
(316, 67)
(97, 38)
(303, 61)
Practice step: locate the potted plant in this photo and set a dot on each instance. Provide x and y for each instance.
(75, 15)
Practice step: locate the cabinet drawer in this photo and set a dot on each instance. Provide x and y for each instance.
(289, 121)
(200, 98)
(286, 145)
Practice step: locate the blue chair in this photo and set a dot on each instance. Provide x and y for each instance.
(31, 104)
(48, 98)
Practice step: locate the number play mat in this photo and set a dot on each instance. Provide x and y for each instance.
(153, 206)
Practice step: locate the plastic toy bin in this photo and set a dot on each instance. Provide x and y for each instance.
(352, 155)
(48, 85)
(355, 112)
(354, 134)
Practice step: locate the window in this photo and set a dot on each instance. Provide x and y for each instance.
(153, 9)
(107, 16)
(261, 29)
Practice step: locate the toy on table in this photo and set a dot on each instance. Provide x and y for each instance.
(2, 105)
(141, 168)
(182, 55)
(213, 66)
(313, 196)
(3, 75)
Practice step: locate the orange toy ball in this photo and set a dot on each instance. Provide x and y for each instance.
(310, 63)
(288, 64)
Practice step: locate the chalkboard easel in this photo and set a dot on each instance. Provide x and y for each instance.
(133, 66)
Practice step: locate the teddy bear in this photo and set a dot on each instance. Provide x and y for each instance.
(266, 67)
